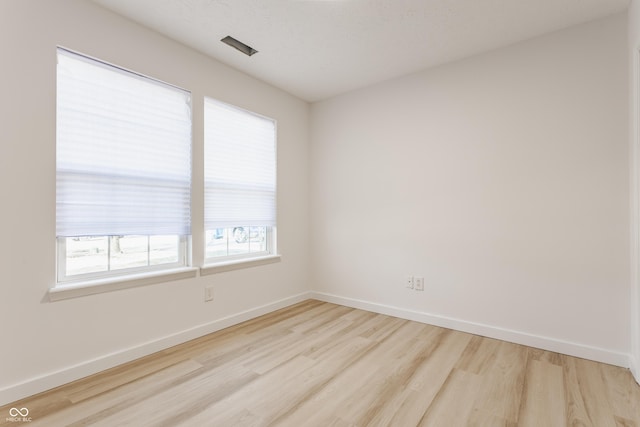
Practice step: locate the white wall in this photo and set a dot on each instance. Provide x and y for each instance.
(634, 143)
(501, 179)
(44, 344)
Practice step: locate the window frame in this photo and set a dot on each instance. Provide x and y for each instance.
(211, 264)
(62, 279)
(270, 234)
(69, 286)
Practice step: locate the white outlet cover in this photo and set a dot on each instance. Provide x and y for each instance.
(409, 282)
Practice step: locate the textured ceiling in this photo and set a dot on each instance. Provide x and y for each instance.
(316, 49)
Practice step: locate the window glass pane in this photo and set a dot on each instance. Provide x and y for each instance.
(163, 249)
(258, 239)
(129, 252)
(217, 243)
(86, 255)
(239, 241)
(236, 241)
(94, 256)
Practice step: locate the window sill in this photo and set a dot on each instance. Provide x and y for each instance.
(91, 287)
(237, 264)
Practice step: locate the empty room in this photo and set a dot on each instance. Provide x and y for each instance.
(320, 213)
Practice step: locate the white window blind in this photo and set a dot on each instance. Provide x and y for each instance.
(123, 150)
(240, 167)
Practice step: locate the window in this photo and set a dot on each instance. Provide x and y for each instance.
(240, 183)
(123, 171)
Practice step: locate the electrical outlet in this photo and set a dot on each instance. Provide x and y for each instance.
(409, 282)
(208, 294)
(418, 283)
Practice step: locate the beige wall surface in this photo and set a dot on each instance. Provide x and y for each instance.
(40, 338)
(501, 179)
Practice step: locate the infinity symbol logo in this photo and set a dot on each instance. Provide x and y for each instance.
(14, 412)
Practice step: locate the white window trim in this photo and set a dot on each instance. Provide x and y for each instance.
(215, 265)
(98, 286)
(238, 264)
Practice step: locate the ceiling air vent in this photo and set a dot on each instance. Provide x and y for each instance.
(247, 50)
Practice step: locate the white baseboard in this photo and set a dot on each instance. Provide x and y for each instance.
(545, 343)
(48, 381)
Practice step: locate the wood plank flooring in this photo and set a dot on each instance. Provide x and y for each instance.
(319, 364)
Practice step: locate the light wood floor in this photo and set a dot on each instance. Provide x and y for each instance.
(319, 364)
